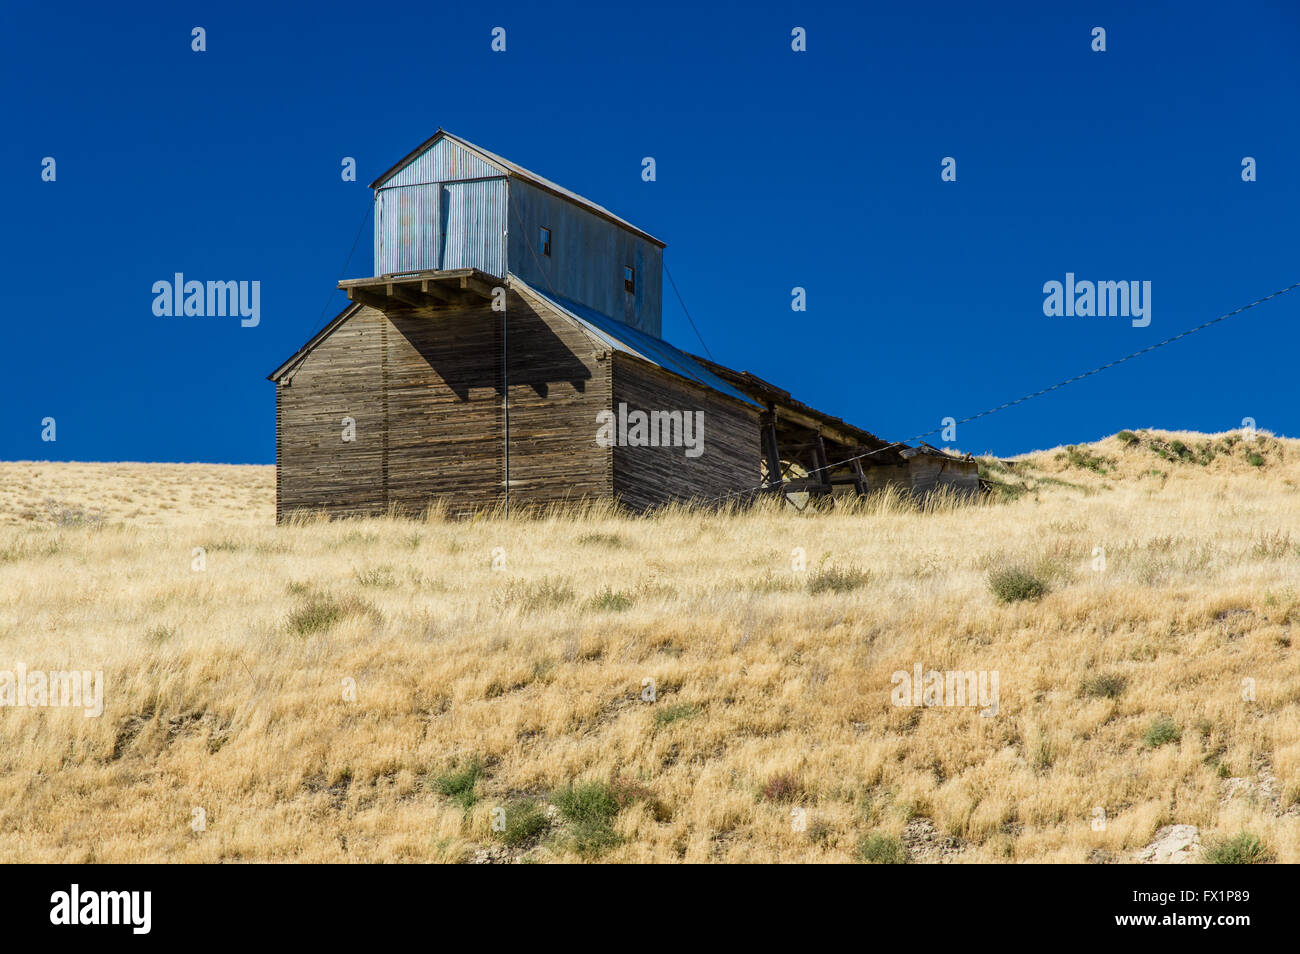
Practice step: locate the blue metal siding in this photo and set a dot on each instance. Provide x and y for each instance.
(451, 208)
(587, 257)
(444, 161)
(473, 226)
(441, 225)
(406, 228)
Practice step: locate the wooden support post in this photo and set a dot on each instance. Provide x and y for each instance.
(859, 475)
(771, 450)
(822, 465)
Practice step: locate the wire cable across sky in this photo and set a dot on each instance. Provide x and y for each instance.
(1021, 400)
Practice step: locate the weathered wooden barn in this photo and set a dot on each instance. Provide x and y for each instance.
(508, 351)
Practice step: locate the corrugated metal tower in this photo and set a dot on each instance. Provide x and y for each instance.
(450, 204)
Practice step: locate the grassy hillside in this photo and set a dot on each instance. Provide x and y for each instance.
(377, 690)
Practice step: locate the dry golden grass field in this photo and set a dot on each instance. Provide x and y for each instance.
(667, 688)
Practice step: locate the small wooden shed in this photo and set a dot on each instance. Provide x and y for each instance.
(930, 469)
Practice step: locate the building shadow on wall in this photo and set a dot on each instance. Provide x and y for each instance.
(464, 350)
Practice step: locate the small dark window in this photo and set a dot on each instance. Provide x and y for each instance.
(629, 278)
(544, 242)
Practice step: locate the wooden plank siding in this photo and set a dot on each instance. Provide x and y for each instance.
(647, 476)
(927, 473)
(424, 386)
(445, 429)
(559, 381)
(341, 377)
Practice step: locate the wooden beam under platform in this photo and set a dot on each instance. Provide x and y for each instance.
(431, 288)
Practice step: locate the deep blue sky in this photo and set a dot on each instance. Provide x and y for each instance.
(775, 169)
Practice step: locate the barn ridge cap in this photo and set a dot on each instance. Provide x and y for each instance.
(512, 169)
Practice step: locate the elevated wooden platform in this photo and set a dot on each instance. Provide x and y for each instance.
(447, 288)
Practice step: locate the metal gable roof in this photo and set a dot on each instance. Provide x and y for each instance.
(622, 337)
(511, 168)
